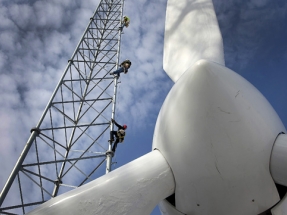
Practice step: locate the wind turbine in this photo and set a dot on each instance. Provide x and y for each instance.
(218, 145)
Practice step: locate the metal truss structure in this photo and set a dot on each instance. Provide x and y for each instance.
(70, 141)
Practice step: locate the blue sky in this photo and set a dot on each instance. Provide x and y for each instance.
(38, 37)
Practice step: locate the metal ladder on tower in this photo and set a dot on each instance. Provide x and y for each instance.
(68, 146)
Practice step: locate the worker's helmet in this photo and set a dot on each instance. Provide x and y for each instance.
(128, 62)
(125, 126)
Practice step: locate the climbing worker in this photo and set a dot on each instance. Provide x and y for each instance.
(119, 134)
(125, 22)
(124, 67)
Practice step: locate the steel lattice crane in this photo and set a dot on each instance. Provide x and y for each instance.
(69, 142)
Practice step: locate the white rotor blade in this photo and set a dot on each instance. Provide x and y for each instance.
(281, 208)
(278, 160)
(135, 188)
(191, 33)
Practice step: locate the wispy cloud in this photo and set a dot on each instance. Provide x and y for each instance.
(36, 41)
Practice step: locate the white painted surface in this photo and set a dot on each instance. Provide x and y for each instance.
(216, 131)
(278, 164)
(191, 34)
(167, 209)
(135, 188)
(281, 208)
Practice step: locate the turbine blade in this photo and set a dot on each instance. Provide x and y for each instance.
(191, 33)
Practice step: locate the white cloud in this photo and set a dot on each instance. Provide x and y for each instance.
(22, 15)
(3, 58)
(7, 40)
(48, 14)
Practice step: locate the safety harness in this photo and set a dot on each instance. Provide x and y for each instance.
(121, 135)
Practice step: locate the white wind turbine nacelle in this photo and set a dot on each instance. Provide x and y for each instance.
(278, 168)
(215, 129)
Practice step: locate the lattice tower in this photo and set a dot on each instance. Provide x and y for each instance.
(69, 145)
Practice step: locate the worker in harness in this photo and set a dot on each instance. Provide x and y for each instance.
(125, 22)
(124, 67)
(119, 134)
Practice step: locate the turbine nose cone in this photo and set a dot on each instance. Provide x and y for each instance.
(216, 131)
